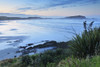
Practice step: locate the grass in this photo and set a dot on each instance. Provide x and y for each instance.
(74, 62)
(68, 62)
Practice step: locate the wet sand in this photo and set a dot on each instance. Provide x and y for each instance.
(8, 53)
(9, 46)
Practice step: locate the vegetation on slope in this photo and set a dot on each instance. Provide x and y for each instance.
(86, 44)
(74, 62)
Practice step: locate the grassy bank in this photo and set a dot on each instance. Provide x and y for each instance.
(50, 59)
(74, 62)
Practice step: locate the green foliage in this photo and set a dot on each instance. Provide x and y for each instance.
(86, 44)
(52, 56)
(51, 65)
(26, 60)
(68, 62)
(74, 62)
(7, 62)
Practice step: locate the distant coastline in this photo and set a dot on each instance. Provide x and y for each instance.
(20, 18)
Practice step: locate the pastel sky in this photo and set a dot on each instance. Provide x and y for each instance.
(51, 7)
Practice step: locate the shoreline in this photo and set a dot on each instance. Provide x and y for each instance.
(40, 48)
(8, 46)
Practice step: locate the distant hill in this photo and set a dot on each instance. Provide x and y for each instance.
(11, 16)
(76, 17)
(17, 18)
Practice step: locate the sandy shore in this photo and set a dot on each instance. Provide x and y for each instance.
(9, 46)
(8, 53)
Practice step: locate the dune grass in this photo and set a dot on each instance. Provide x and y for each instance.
(86, 44)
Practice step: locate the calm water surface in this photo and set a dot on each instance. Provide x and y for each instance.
(21, 32)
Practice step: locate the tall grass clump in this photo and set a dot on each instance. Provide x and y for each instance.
(88, 43)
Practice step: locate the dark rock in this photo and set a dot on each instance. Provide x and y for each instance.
(23, 47)
(30, 44)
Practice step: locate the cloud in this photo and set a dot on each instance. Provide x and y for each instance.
(25, 8)
(46, 4)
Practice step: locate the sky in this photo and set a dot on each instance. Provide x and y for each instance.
(51, 7)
